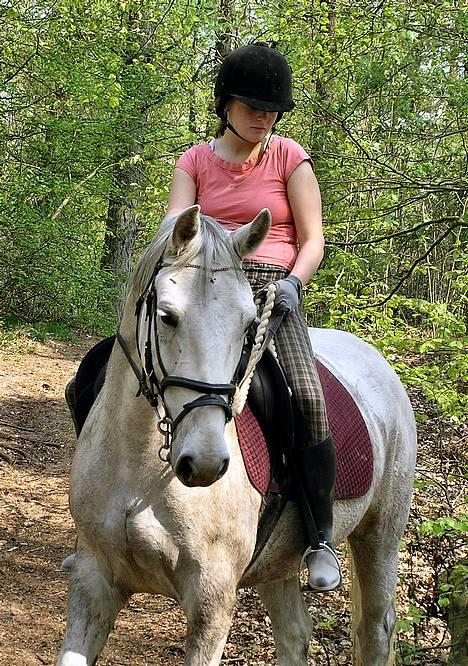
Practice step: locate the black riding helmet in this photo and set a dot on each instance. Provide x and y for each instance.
(257, 75)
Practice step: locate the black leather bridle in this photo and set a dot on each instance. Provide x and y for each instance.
(152, 388)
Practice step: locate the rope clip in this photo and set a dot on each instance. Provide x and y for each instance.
(165, 428)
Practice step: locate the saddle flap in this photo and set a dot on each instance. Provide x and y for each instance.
(271, 405)
(90, 378)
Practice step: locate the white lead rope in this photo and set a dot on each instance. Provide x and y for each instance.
(256, 353)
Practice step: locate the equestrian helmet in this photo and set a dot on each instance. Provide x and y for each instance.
(257, 75)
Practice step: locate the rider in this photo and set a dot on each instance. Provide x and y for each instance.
(245, 168)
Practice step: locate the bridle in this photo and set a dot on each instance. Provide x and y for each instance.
(152, 388)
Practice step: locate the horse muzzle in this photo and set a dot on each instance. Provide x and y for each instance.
(195, 467)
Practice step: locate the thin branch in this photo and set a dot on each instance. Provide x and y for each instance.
(14, 426)
(405, 177)
(24, 64)
(78, 185)
(397, 234)
(16, 449)
(32, 440)
(415, 263)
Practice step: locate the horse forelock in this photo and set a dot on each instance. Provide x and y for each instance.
(211, 248)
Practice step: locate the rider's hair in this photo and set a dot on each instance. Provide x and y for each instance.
(222, 125)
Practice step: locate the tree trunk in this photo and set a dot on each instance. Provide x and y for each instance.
(121, 230)
(122, 217)
(458, 619)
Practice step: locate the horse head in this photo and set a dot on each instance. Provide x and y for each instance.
(202, 308)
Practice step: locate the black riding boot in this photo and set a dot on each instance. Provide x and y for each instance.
(315, 467)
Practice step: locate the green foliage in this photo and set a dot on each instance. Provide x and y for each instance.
(445, 526)
(98, 100)
(12, 332)
(425, 342)
(412, 618)
(456, 584)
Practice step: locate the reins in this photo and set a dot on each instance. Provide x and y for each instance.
(153, 389)
(263, 337)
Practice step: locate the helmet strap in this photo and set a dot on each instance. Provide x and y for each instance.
(263, 148)
(234, 131)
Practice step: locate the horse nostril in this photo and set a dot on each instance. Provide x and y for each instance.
(184, 468)
(224, 468)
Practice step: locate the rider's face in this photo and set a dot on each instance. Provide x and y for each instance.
(252, 124)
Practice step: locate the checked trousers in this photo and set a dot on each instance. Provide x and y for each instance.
(295, 355)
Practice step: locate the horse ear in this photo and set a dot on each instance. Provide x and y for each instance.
(186, 228)
(249, 237)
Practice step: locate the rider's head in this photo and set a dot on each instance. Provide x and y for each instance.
(257, 75)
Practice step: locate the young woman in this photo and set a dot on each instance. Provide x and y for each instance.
(246, 168)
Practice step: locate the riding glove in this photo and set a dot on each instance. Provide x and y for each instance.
(288, 294)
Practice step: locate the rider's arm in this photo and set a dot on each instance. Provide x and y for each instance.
(183, 192)
(306, 205)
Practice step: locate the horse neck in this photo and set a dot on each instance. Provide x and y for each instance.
(127, 328)
(122, 384)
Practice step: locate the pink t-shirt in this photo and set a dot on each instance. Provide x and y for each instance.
(234, 193)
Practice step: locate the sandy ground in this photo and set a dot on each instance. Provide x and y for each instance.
(36, 533)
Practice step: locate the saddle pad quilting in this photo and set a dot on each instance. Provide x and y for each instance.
(254, 450)
(354, 460)
(354, 463)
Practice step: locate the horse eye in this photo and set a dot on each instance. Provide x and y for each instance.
(169, 318)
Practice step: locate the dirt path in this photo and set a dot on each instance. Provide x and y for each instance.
(36, 533)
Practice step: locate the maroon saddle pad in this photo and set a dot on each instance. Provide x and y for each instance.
(354, 460)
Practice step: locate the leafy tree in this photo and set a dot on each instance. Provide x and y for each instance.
(100, 98)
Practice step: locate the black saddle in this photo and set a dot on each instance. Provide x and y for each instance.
(84, 389)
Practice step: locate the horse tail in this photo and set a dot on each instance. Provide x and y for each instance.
(356, 615)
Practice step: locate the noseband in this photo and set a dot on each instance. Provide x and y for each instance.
(153, 389)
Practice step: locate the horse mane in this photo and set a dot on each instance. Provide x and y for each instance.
(211, 247)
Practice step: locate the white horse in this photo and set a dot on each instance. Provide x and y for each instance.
(188, 529)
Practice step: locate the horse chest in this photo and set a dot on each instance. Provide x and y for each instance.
(150, 546)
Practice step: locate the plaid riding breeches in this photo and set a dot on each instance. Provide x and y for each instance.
(295, 355)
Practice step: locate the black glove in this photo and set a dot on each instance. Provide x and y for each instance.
(288, 294)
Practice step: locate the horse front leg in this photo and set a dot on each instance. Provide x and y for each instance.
(93, 604)
(208, 603)
(291, 622)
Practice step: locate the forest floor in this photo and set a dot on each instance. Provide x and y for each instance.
(36, 533)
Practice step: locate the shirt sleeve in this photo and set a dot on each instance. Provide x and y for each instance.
(293, 155)
(188, 162)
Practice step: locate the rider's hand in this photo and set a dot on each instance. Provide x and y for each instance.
(288, 294)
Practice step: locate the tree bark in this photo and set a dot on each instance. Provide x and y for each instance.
(458, 620)
(122, 223)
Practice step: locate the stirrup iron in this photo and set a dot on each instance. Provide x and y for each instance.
(326, 548)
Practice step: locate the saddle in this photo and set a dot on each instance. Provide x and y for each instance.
(89, 380)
